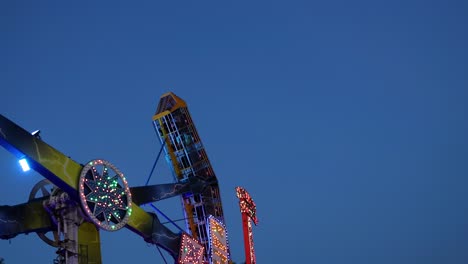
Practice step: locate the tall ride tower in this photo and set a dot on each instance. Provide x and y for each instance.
(187, 158)
(249, 215)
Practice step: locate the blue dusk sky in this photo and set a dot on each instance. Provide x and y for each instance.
(345, 120)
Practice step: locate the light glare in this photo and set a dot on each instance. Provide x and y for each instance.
(24, 165)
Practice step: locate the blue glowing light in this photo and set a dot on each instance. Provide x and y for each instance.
(24, 164)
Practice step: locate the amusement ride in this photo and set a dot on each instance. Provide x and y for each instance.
(75, 201)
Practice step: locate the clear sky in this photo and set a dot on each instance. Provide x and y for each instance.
(345, 120)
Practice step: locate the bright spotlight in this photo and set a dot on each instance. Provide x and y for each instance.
(24, 164)
(36, 133)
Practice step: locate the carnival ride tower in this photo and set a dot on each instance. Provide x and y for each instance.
(188, 159)
(249, 215)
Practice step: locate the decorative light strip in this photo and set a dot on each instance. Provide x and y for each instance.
(251, 248)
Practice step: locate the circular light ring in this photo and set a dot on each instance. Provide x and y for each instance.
(105, 195)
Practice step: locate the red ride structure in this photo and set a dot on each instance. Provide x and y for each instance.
(249, 215)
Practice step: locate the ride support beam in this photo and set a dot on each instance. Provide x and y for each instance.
(24, 218)
(153, 193)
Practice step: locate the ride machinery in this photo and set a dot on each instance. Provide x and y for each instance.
(75, 201)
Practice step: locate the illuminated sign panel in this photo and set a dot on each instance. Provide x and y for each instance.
(191, 251)
(219, 248)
